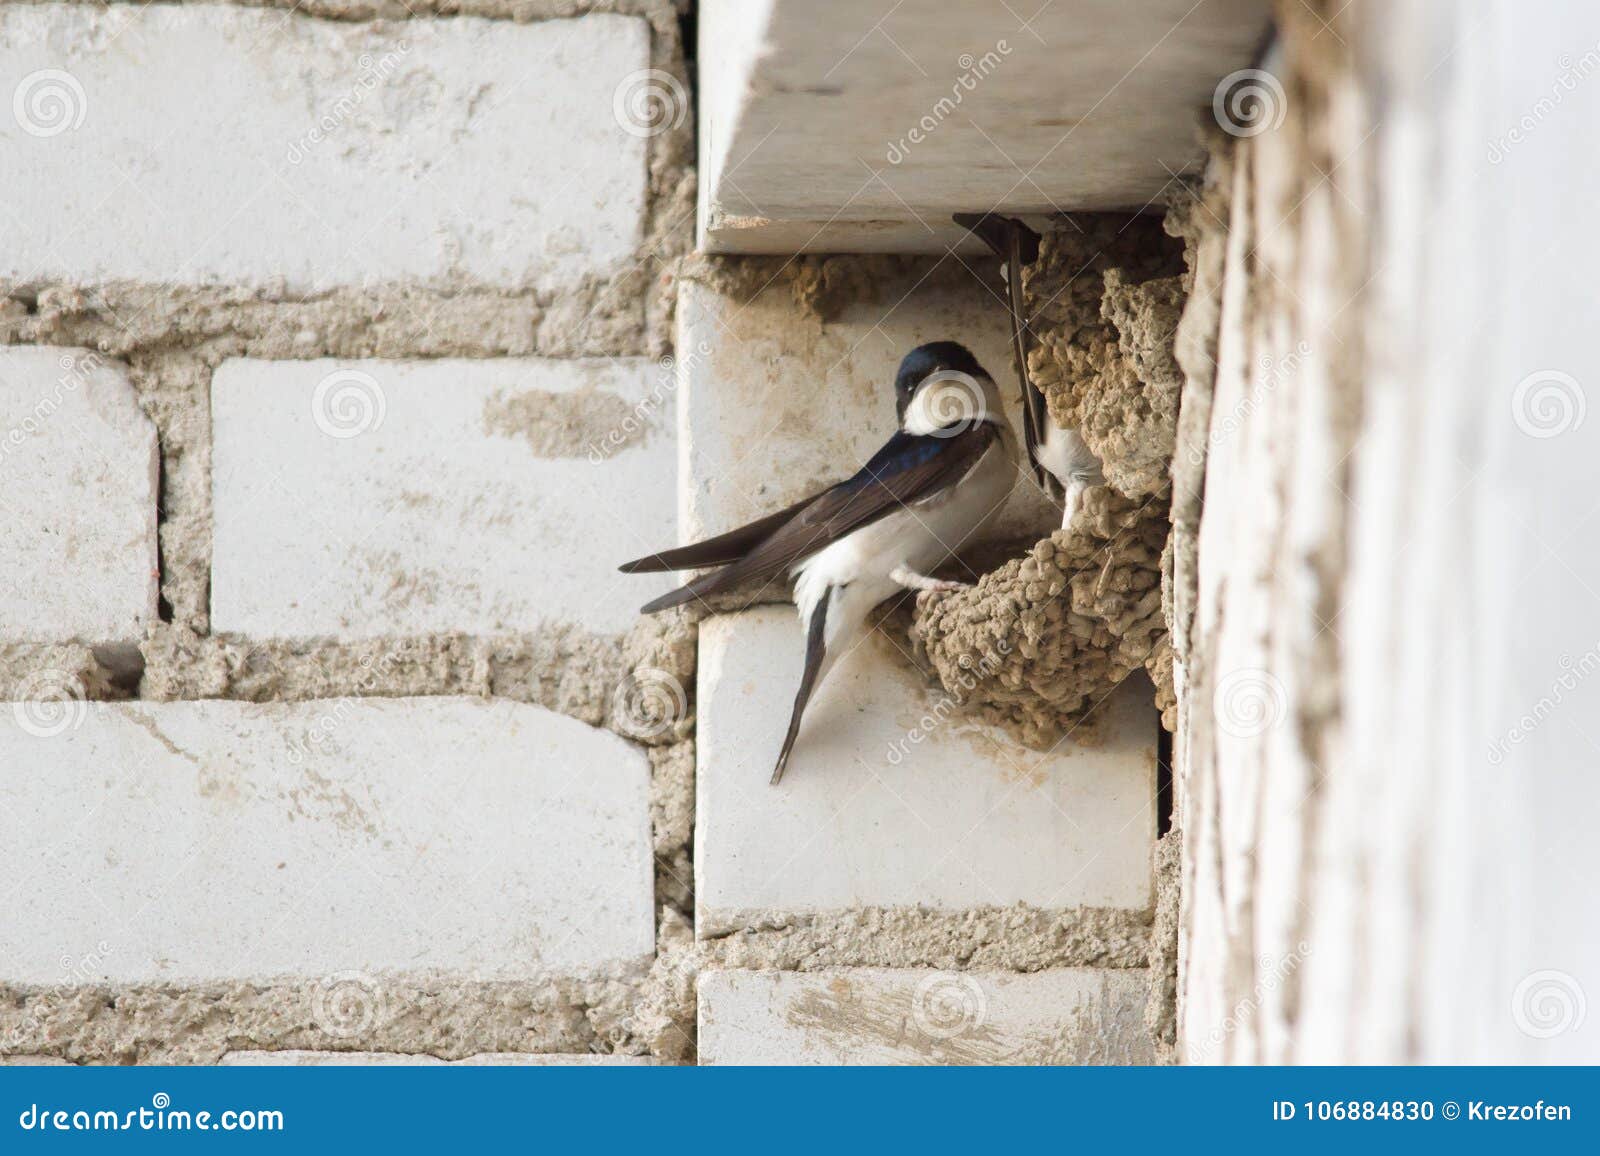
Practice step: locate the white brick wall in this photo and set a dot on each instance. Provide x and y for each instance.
(777, 405)
(215, 144)
(869, 813)
(878, 1016)
(217, 840)
(368, 498)
(78, 476)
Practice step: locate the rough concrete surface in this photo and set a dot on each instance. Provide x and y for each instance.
(1017, 938)
(877, 1016)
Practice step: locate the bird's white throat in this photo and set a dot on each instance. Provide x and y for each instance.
(947, 399)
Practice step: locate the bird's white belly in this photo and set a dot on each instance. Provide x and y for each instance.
(920, 537)
(1065, 456)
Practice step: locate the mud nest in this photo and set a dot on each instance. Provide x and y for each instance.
(1037, 644)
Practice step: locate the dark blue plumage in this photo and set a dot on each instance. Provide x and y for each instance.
(936, 356)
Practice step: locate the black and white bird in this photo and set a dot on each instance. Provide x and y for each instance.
(1062, 463)
(932, 486)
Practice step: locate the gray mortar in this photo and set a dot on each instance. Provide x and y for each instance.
(1017, 938)
(442, 1015)
(1161, 1009)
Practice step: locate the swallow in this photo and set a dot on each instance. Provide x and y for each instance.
(935, 483)
(1062, 463)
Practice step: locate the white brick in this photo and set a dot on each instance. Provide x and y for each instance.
(300, 1059)
(884, 1016)
(433, 514)
(965, 818)
(78, 478)
(178, 148)
(223, 840)
(777, 405)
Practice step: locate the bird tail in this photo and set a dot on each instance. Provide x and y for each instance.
(718, 551)
(816, 647)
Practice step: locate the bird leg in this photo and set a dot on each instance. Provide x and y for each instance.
(1069, 503)
(911, 580)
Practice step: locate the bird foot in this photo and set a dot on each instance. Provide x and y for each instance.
(911, 580)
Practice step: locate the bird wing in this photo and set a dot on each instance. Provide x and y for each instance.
(718, 551)
(908, 468)
(1017, 245)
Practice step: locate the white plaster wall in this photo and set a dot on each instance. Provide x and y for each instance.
(1386, 771)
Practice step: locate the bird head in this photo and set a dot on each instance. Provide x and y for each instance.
(941, 384)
